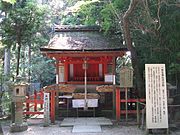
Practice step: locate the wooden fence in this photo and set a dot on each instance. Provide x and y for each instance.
(34, 103)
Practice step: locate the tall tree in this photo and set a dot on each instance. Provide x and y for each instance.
(128, 40)
(23, 22)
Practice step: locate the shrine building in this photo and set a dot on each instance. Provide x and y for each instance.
(85, 61)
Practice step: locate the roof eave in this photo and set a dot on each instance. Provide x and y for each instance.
(82, 50)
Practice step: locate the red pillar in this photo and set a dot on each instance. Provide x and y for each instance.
(118, 104)
(41, 98)
(35, 101)
(65, 72)
(105, 67)
(27, 103)
(52, 113)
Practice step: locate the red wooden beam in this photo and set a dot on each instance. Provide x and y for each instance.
(89, 82)
(129, 111)
(27, 109)
(133, 100)
(32, 101)
(33, 113)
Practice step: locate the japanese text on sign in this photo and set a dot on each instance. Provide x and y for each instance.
(156, 96)
(46, 107)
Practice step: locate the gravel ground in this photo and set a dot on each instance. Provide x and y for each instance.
(56, 130)
(36, 128)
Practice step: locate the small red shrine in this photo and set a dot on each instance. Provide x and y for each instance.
(85, 59)
(73, 46)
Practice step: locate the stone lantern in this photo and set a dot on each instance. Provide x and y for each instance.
(18, 97)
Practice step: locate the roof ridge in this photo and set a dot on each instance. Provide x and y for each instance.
(73, 28)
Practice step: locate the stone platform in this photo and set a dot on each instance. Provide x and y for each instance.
(86, 121)
(86, 124)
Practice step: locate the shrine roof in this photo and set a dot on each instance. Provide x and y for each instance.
(83, 38)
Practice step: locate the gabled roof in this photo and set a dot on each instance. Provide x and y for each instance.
(82, 38)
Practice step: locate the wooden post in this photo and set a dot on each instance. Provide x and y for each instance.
(118, 104)
(27, 103)
(104, 61)
(126, 98)
(143, 115)
(114, 87)
(57, 102)
(57, 71)
(41, 98)
(65, 71)
(35, 101)
(52, 106)
(85, 84)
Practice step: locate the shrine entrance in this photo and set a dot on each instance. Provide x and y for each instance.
(66, 102)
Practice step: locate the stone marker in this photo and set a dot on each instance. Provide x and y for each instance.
(46, 109)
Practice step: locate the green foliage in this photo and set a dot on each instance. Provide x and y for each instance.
(43, 70)
(89, 13)
(99, 13)
(22, 23)
(121, 5)
(6, 103)
(111, 13)
(108, 18)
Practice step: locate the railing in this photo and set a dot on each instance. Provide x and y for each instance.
(88, 79)
(120, 110)
(32, 102)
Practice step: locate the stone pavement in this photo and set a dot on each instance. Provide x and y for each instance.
(86, 124)
(56, 130)
(86, 121)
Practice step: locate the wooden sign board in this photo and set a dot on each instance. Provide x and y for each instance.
(156, 96)
(126, 77)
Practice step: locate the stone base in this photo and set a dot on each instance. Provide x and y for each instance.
(18, 127)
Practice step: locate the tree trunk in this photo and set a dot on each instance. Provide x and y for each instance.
(6, 72)
(18, 59)
(29, 63)
(1, 110)
(7, 61)
(131, 48)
